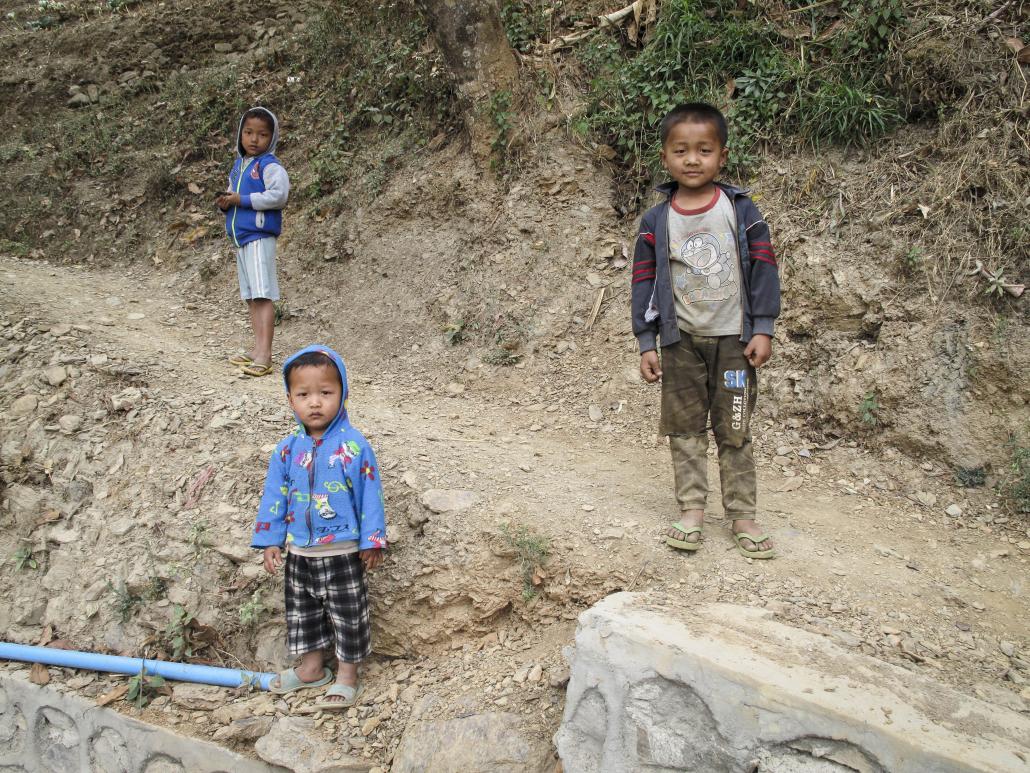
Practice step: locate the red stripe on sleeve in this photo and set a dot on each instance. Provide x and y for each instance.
(647, 237)
(764, 259)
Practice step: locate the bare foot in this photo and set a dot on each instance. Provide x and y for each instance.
(346, 676)
(688, 518)
(750, 526)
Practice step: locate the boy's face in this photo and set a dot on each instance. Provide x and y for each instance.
(315, 394)
(256, 137)
(693, 154)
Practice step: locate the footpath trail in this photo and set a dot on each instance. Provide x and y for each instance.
(872, 569)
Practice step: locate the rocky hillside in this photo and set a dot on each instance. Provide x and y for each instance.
(483, 308)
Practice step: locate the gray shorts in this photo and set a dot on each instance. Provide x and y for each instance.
(255, 265)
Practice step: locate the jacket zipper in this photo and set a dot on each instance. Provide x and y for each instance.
(741, 246)
(235, 209)
(311, 492)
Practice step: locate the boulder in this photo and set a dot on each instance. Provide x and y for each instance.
(481, 743)
(244, 729)
(24, 503)
(199, 697)
(296, 744)
(24, 405)
(448, 500)
(656, 686)
(55, 375)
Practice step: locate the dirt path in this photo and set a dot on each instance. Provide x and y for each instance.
(871, 568)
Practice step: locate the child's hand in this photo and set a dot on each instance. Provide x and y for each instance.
(227, 200)
(758, 350)
(371, 558)
(273, 559)
(650, 367)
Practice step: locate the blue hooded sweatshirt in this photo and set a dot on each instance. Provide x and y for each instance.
(263, 186)
(322, 491)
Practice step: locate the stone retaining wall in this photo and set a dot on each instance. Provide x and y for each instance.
(660, 686)
(45, 731)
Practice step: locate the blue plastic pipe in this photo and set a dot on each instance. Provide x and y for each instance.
(182, 672)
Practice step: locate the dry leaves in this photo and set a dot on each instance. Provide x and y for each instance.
(38, 674)
(1020, 49)
(112, 695)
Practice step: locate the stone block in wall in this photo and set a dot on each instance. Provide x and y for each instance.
(720, 688)
(43, 730)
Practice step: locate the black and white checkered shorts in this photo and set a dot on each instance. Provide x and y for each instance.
(327, 604)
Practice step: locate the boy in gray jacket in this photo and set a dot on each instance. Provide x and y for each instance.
(705, 282)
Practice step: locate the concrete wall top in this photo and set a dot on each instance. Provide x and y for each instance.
(656, 685)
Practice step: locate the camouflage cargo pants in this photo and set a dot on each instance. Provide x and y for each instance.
(702, 376)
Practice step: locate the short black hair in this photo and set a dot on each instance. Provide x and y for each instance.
(261, 114)
(311, 360)
(695, 112)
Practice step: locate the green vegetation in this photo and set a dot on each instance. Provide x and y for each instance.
(252, 611)
(454, 332)
(144, 688)
(198, 540)
(176, 637)
(23, 559)
(525, 22)
(814, 74)
(501, 118)
(203, 107)
(869, 410)
(913, 259)
(532, 551)
(156, 589)
(1015, 484)
(391, 87)
(970, 477)
(501, 356)
(125, 602)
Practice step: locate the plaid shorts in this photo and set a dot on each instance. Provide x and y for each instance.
(327, 603)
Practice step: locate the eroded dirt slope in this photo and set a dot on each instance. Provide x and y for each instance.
(101, 472)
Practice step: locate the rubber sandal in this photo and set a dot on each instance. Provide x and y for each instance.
(680, 544)
(757, 540)
(242, 360)
(256, 370)
(345, 691)
(289, 681)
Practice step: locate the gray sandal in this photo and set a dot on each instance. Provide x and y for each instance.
(345, 691)
(289, 681)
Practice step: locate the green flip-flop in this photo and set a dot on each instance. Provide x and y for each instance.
(756, 539)
(289, 681)
(680, 544)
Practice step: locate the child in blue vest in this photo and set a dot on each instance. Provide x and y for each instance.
(323, 506)
(253, 207)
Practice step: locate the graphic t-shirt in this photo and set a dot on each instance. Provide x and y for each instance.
(706, 268)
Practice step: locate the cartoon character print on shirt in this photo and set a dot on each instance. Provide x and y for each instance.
(304, 460)
(345, 454)
(377, 539)
(709, 274)
(322, 506)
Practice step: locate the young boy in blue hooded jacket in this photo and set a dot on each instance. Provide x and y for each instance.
(323, 504)
(253, 206)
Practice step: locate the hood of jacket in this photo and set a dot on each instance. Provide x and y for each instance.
(340, 421)
(240, 152)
